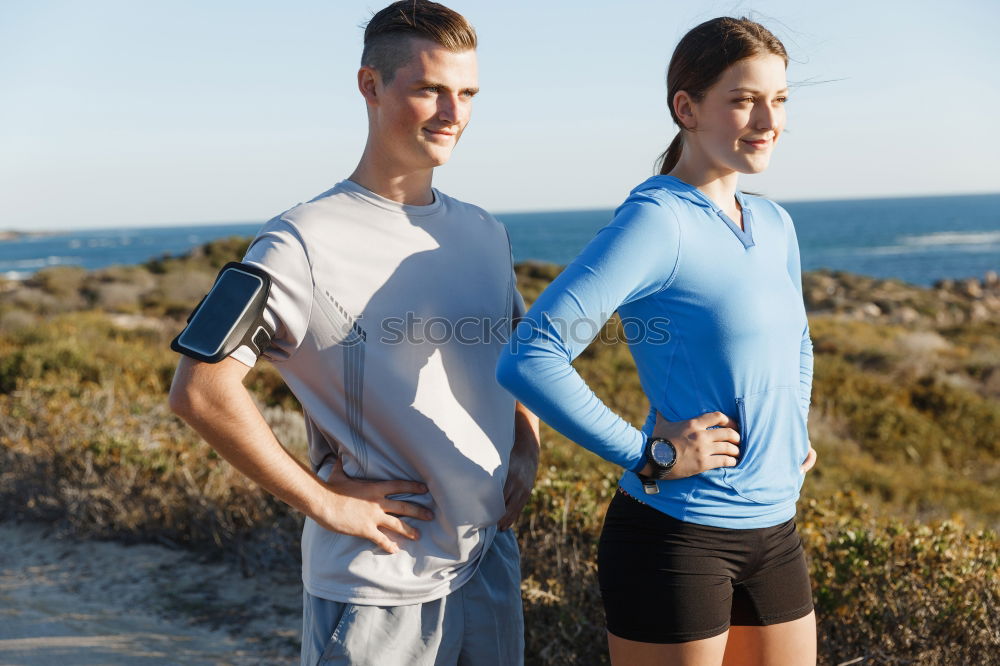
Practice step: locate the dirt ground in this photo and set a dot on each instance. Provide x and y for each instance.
(64, 601)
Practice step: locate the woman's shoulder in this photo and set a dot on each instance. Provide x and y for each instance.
(664, 191)
(652, 203)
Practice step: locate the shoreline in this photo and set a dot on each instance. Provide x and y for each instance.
(14, 235)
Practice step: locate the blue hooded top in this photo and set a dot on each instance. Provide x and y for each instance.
(714, 318)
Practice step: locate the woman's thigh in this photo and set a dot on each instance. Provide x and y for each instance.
(790, 643)
(786, 644)
(704, 652)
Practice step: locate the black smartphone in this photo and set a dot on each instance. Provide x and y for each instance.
(231, 314)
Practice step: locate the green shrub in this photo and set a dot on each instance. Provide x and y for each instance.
(897, 593)
(61, 281)
(905, 423)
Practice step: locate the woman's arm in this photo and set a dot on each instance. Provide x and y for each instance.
(806, 347)
(632, 257)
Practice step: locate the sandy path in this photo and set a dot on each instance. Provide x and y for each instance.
(64, 601)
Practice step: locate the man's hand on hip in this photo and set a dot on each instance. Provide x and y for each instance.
(361, 508)
(212, 399)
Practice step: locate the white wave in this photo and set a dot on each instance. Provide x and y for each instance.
(952, 238)
(25, 263)
(964, 242)
(39, 262)
(883, 250)
(62, 261)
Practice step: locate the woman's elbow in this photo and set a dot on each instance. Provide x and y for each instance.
(510, 371)
(506, 366)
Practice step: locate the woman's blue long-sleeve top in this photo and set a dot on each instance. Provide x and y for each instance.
(715, 321)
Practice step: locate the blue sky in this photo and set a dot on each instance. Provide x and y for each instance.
(123, 113)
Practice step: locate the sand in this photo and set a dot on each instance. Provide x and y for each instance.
(66, 601)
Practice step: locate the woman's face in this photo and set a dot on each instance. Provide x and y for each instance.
(741, 117)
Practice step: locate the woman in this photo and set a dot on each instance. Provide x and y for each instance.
(699, 561)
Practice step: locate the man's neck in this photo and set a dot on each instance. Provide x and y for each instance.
(393, 182)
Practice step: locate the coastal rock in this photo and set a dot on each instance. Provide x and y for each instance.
(870, 310)
(131, 322)
(947, 303)
(972, 288)
(921, 343)
(944, 285)
(904, 316)
(979, 312)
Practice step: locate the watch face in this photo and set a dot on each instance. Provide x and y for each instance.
(662, 453)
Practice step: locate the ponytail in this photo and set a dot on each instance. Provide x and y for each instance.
(669, 158)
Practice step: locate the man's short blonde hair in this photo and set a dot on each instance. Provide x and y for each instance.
(389, 33)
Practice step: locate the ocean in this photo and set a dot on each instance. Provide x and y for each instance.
(918, 239)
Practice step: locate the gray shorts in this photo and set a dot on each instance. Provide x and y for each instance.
(480, 623)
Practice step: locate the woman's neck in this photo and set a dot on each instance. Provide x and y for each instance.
(717, 184)
(719, 187)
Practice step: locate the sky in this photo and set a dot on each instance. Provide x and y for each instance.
(116, 113)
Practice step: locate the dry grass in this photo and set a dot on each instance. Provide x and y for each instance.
(904, 565)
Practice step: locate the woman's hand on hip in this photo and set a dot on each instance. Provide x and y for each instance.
(699, 445)
(810, 461)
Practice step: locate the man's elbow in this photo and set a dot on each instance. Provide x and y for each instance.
(187, 396)
(203, 389)
(181, 400)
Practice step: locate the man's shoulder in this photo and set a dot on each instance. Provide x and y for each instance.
(319, 208)
(468, 210)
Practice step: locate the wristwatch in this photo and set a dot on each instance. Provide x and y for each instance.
(661, 455)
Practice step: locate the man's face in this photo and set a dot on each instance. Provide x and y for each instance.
(417, 118)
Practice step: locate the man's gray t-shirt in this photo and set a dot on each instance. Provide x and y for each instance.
(389, 321)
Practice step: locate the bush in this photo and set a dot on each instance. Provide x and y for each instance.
(16, 320)
(898, 593)
(179, 292)
(86, 439)
(60, 281)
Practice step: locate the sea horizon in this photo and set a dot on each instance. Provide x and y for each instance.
(916, 239)
(495, 213)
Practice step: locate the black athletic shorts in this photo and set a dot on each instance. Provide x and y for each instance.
(664, 580)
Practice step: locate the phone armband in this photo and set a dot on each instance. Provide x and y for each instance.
(229, 316)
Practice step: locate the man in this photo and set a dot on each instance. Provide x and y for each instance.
(390, 303)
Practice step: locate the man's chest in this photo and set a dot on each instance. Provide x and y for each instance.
(439, 283)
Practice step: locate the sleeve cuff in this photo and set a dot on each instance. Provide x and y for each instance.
(245, 356)
(635, 469)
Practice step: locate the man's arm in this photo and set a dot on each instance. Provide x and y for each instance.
(211, 398)
(523, 465)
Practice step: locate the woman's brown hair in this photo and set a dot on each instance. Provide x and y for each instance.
(700, 59)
